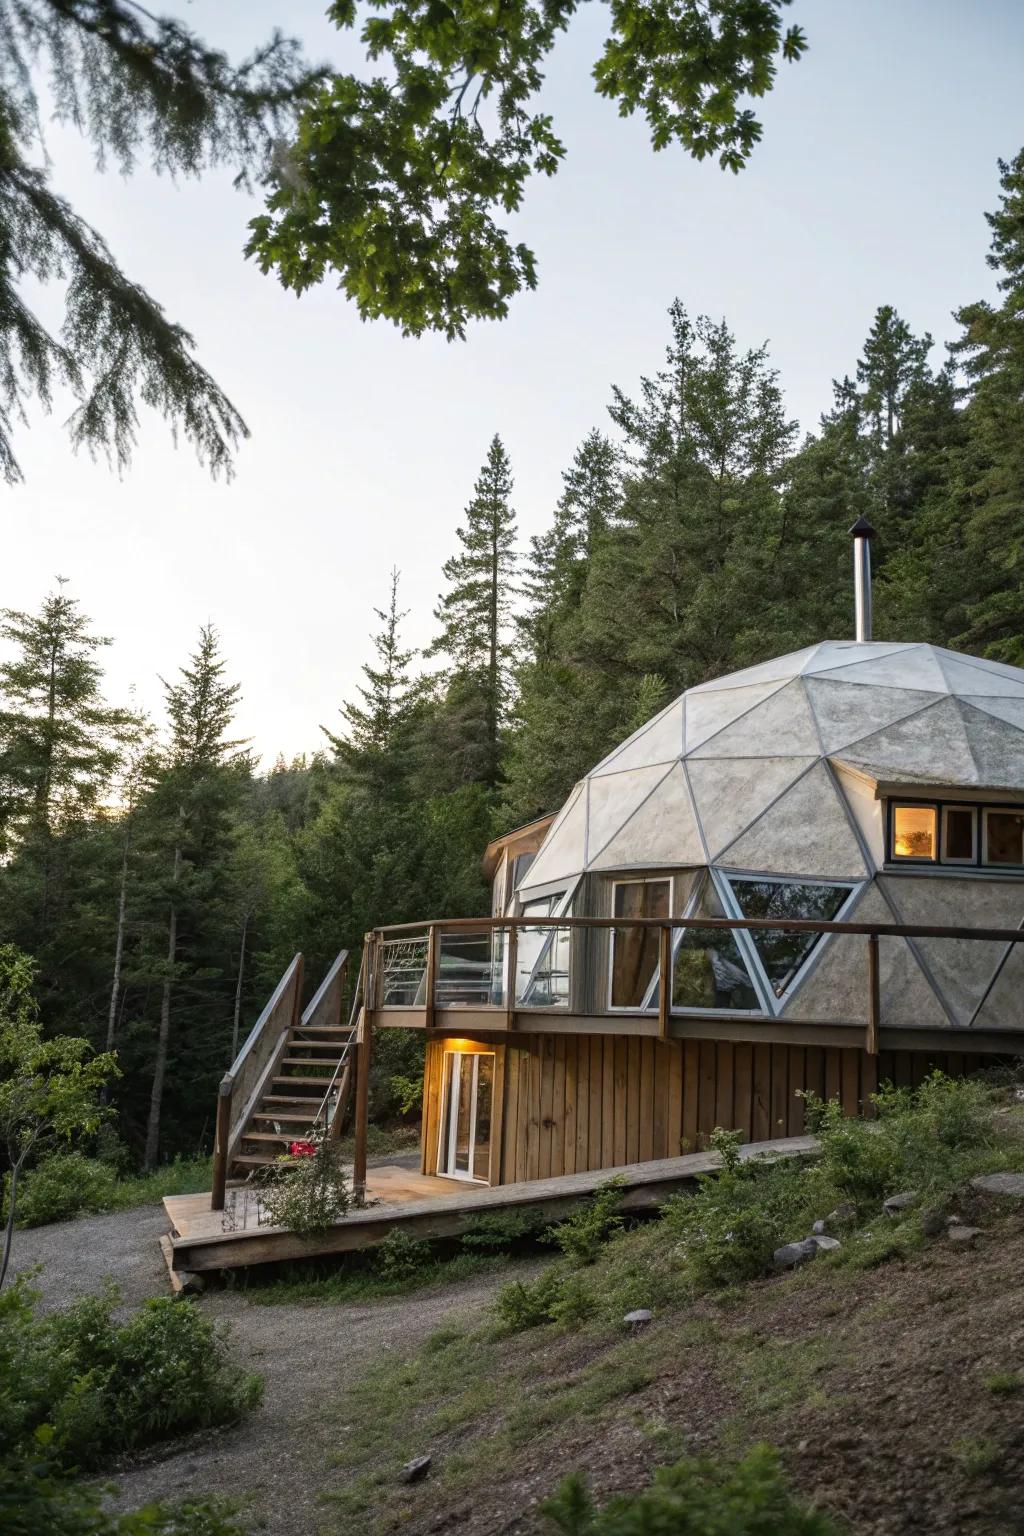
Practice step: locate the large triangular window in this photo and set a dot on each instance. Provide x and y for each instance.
(782, 952)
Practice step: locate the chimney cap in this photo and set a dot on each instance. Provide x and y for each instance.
(862, 529)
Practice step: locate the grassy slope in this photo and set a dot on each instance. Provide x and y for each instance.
(891, 1376)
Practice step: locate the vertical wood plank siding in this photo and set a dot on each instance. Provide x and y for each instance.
(567, 1104)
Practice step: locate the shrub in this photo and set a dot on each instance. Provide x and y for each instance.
(407, 1092)
(525, 1304)
(34, 1501)
(306, 1194)
(500, 1229)
(697, 1497)
(583, 1234)
(87, 1387)
(66, 1184)
(400, 1256)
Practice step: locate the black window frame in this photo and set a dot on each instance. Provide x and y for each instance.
(940, 806)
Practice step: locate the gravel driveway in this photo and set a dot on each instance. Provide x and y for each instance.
(279, 1459)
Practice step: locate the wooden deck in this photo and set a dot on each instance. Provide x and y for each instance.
(203, 1240)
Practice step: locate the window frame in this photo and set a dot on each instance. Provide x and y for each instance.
(986, 811)
(774, 1003)
(645, 1003)
(940, 805)
(976, 819)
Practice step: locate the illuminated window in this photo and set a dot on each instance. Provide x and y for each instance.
(1004, 837)
(959, 834)
(914, 831)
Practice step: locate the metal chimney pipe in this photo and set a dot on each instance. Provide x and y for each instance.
(863, 533)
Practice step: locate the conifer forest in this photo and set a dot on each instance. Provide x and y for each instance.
(162, 879)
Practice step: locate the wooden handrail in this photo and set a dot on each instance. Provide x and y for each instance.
(778, 924)
(261, 1023)
(319, 1001)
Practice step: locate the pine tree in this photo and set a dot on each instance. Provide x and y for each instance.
(133, 83)
(59, 741)
(475, 615)
(991, 353)
(195, 791)
(375, 751)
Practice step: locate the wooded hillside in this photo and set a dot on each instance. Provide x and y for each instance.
(162, 881)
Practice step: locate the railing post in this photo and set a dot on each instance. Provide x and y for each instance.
(513, 962)
(664, 981)
(222, 1136)
(431, 996)
(296, 1017)
(363, 1073)
(874, 997)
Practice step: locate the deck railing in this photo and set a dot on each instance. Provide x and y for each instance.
(515, 965)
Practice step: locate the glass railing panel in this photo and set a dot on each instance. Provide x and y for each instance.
(471, 969)
(709, 972)
(542, 967)
(403, 972)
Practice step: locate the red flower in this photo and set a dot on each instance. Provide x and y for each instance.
(302, 1149)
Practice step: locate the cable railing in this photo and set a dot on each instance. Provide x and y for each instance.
(656, 968)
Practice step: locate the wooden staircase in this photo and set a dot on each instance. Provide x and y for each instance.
(292, 1077)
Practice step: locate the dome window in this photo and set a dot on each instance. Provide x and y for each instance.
(781, 953)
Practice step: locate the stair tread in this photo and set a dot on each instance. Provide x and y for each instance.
(290, 1098)
(270, 1136)
(332, 1030)
(282, 1116)
(318, 1082)
(253, 1159)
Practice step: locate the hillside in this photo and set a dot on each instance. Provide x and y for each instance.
(889, 1373)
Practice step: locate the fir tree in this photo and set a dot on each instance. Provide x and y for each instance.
(134, 83)
(991, 353)
(475, 615)
(375, 751)
(195, 791)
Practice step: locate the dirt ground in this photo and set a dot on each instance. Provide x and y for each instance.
(275, 1461)
(879, 1388)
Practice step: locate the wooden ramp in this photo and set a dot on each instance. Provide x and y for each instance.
(422, 1206)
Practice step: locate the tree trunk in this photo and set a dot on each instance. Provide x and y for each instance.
(238, 988)
(122, 907)
(164, 1034)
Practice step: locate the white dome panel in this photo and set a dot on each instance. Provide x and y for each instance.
(805, 832)
(731, 792)
(709, 713)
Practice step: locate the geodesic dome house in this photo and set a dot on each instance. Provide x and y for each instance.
(850, 781)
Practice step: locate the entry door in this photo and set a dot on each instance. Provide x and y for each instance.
(465, 1148)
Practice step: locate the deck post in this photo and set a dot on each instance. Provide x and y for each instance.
(431, 993)
(874, 997)
(363, 1072)
(664, 981)
(222, 1135)
(513, 961)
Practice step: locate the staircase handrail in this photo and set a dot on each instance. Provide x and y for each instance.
(242, 1083)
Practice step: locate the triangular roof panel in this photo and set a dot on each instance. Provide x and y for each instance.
(914, 667)
(930, 747)
(662, 831)
(730, 793)
(562, 852)
(847, 712)
(782, 726)
(781, 667)
(612, 799)
(709, 713)
(660, 741)
(805, 832)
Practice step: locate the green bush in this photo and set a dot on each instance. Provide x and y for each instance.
(526, 1304)
(583, 1234)
(408, 1093)
(86, 1387)
(400, 1256)
(66, 1184)
(35, 1501)
(698, 1497)
(306, 1194)
(499, 1229)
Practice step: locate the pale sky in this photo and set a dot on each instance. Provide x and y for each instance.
(878, 162)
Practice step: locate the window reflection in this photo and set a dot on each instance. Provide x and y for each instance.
(782, 952)
(914, 831)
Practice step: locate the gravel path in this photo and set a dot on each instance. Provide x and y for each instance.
(279, 1459)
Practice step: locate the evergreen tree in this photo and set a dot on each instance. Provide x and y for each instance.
(991, 353)
(200, 783)
(375, 752)
(134, 83)
(475, 615)
(59, 741)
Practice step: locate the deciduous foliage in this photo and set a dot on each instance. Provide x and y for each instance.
(398, 183)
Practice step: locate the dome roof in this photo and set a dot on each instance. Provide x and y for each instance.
(775, 768)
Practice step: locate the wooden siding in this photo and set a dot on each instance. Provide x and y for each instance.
(576, 1103)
